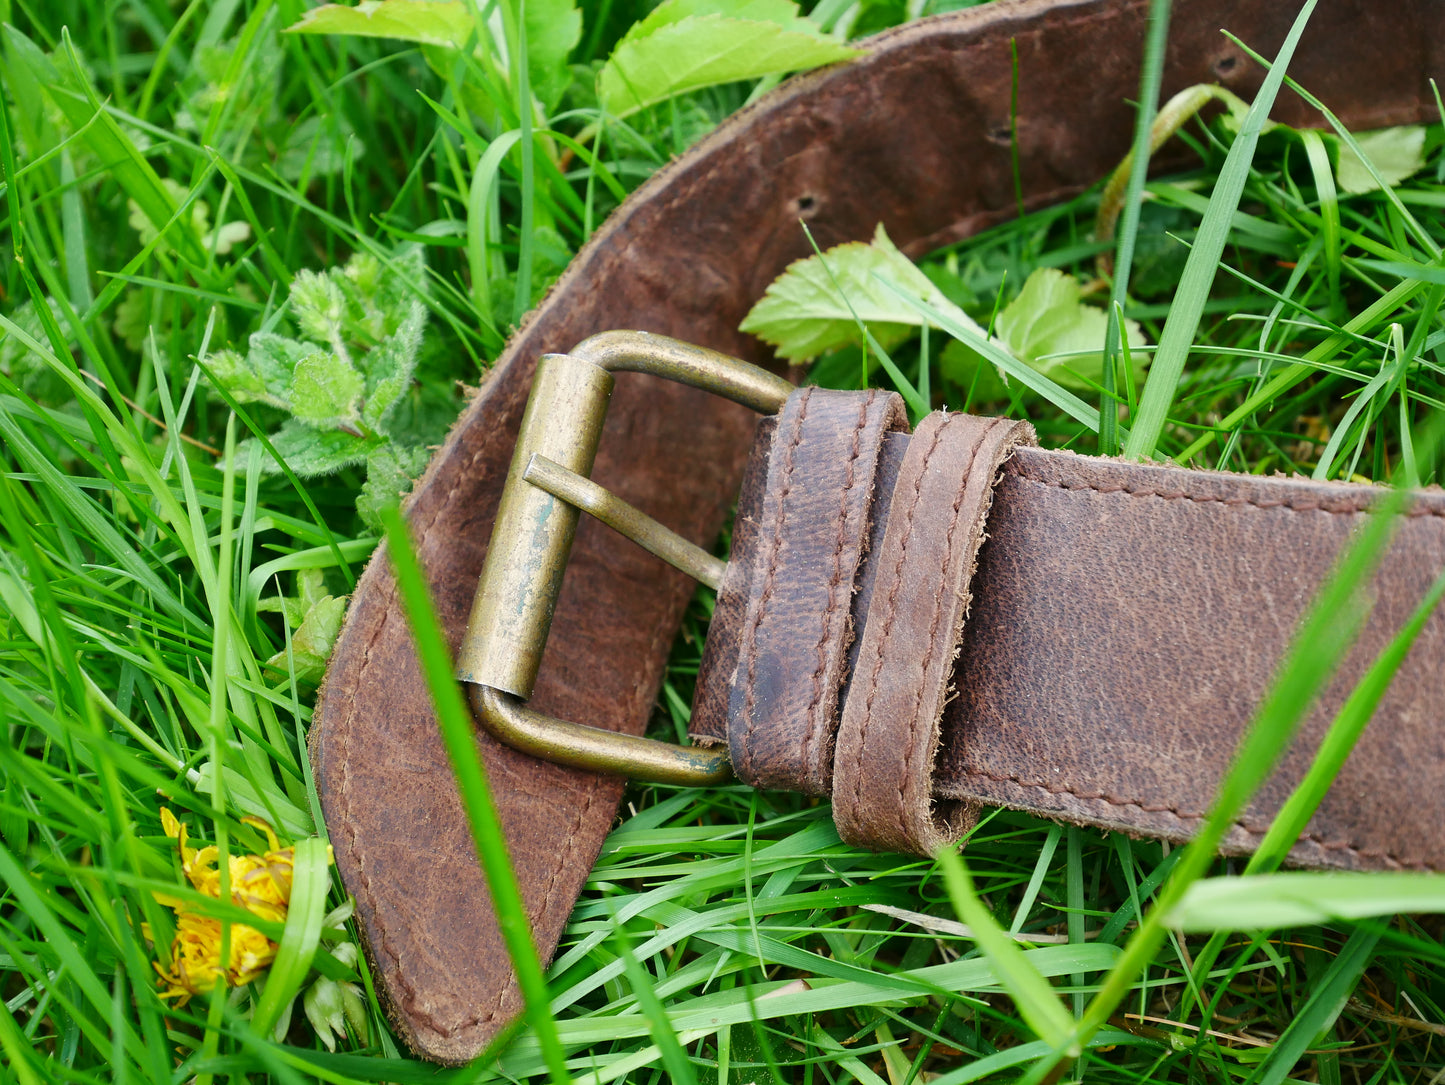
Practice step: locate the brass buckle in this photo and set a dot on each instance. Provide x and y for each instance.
(546, 489)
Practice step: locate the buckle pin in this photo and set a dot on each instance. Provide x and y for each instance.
(627, 520)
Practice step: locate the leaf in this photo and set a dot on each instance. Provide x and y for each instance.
(676, 50)
(310, 452)
(389, 366)
(1051, 330)
(318, 306)
(316, 147)
(389, 474)
(274, 359)
(554, 27)
(238, 377)
(811, 307)
(1270, 901)
(313, 639)
(782, 12)
(430, 22)
(1396, 153)
(326, 390)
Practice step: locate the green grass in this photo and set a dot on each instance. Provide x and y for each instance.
(164, 604)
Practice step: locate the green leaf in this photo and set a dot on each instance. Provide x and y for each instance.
(677, 49)
(310, 452)
(782, 12)
(313, 639)
(1050, 329)
(389, 474)
(326, 390)
(811, 306)
(430, 22)
(274, 359)
(318, 305)
(389, 366)
(239, 378)
(1396, 153)
(1271, 901)
(554, 27)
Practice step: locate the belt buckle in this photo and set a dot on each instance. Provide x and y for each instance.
(547, 488)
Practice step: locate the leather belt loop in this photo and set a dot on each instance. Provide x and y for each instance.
(883, 795)
(812, 536)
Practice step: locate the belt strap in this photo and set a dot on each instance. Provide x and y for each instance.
(687, 256)
(1101, 662)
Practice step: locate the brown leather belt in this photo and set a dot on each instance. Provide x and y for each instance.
(1122, 620)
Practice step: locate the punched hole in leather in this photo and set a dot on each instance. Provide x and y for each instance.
(1078, 638)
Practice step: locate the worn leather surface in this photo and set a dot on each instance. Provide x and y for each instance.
(813, 531)
(915, 135)
(1125, 622)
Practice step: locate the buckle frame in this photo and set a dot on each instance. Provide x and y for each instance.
(546, 491)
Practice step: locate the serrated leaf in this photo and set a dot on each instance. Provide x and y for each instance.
(389, 366)
(309, 451)
(1396, 153)
(810, 307)
(318, 305)
(274, 359)
(1048, 327)
(326, 390)
(430, 22)
(389, 474)
(694, 50)
(238, 377)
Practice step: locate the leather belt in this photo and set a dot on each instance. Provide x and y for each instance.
(1108, 707)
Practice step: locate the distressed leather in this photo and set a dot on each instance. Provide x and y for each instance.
(813, 529)
(914, 134)
(1103, 661)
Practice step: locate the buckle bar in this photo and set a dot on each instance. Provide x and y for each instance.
(547, 487)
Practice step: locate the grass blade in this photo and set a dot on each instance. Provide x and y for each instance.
(1194, 285)
(1037, 1001)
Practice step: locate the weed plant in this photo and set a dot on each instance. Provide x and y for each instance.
(225, 241)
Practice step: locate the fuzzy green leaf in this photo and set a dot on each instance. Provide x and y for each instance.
(389, 474)
(326, 390)
(1396, 153)
(309, 451)
(430, 22)
(318, 306)
(676, 50)
(274, 359)
(811, 307)
(389, 366)
(1051, 330)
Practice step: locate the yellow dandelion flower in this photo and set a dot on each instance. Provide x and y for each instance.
(259, 883)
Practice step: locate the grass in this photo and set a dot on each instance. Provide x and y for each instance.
(165, 607)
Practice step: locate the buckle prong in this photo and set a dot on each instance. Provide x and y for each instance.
(627, 520)
(546, 490)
